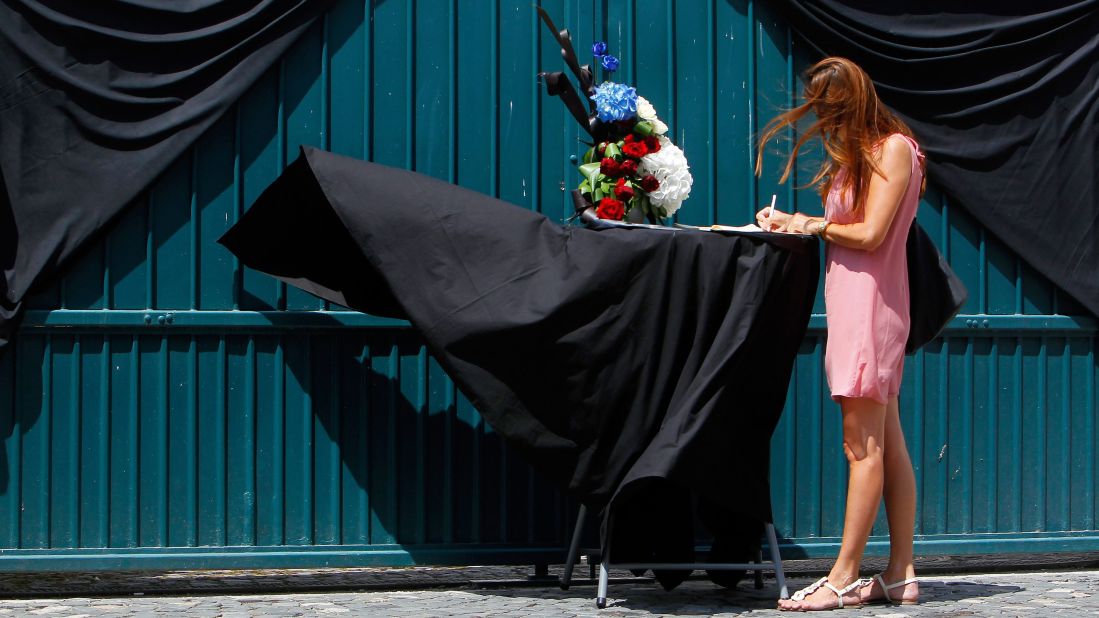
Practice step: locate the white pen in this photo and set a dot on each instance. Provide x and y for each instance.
(771, 213)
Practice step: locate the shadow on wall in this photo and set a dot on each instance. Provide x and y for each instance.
(340, 437)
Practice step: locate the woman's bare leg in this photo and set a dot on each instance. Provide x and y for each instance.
(863, 443)
(900, 498)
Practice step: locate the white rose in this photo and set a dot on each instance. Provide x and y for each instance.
(669, 167)
(646, 111)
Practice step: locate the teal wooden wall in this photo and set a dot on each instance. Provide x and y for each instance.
(165, 407)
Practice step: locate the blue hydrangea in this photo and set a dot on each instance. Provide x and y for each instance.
(598, 48)
(615, 101)
(610, 63)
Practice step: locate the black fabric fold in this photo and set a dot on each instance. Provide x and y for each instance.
(98, 98)
(1004, 98)
(619, 362)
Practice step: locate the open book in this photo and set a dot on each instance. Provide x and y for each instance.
(751, 227)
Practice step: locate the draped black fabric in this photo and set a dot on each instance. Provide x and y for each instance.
(1004, 97)
(98, 98)
(626, 364)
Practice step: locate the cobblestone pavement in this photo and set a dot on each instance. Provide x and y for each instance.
(1061, 593)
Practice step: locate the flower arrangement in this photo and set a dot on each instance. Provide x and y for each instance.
(632, 171)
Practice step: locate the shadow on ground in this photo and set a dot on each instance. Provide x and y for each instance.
(703, 598)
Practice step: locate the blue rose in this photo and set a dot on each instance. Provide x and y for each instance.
(598, 48)
(615, 101)
(610, 64)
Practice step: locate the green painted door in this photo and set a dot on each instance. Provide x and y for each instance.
(166, 407)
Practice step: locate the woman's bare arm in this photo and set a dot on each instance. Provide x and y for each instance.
(882, 202)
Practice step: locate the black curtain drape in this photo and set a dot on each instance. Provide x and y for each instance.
(1004, 97)
(98, 98)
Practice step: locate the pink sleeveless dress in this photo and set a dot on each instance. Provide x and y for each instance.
(866, 299)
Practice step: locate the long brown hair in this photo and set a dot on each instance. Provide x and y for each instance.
(850, 121)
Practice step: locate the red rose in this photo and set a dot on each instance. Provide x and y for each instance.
(652, 143)
(609, 167)
(630, 139)
(600, 149)
(610, 208)
(623, 190)
(650, 183)
(635, 149)
(628, 167)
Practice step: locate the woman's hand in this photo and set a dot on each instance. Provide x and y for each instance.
(777, 222)
(796, 223)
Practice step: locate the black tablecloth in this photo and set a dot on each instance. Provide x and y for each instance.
(645, 370)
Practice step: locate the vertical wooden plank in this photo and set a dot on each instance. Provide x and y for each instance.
(127, 263)
(170, 221)
(298, 441)
(35, 411)
(259, 165)
(182, 443)
(813, 407)
(270, 445)
(936, 445)
(394, 99)
(554, 128)
(476, 122)
(1010, 436)
(440, 407)
(959, 456)
(350, 82)
(410, 412)
(965, 256)
(94, 430)
(383, 442)
(325, 382)
(153, 417)
(11, 372)
(240, 458)
(518, 175)
(433, 88)
(124, 441)
(212, 474)
(1058, 439)
(357, 382)
(465, 436)
(983, 398)
(1033, 453)
(82, 286)
(694, 104)
(214, 195)
(732, 152)
(63, 490)
(1082, 436)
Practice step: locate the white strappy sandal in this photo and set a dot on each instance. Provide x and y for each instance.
(885, 588)
(823, 582)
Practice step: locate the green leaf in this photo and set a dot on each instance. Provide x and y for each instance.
(598, 195)
(590, 171)
(589, 155)
(612, 150)
(643, 127)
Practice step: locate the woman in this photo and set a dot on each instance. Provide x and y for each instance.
(870, 183)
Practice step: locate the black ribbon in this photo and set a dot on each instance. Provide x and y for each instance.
(582, 73)
(558, 85)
